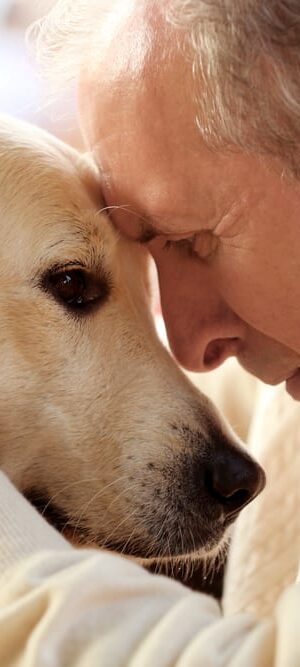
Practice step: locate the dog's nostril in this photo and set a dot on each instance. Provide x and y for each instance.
(231, 500)
(232, 482)
(239, 498)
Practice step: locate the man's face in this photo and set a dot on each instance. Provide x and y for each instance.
(223, 228)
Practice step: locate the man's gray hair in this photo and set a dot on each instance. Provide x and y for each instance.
(244, 53)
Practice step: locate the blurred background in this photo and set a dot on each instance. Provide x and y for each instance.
(22, 90)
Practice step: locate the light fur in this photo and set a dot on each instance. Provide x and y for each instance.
(95, 416)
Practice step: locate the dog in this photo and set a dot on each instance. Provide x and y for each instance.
(100, 428)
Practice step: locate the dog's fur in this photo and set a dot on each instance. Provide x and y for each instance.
(95, 416)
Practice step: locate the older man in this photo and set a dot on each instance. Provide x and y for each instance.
(192, 111)
(223, 224)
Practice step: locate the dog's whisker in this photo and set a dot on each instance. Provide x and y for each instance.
(129, 540)
(181, 539)
(193, 539)
(68, 523)
(161, 530)
(121, 523)
(122, 207)
(125, 491)
(110, 535)
(66, 487)
(87, 480)
(96, 496)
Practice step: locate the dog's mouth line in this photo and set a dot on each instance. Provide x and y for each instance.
(71, 529)
(159, 552)
(78, 534)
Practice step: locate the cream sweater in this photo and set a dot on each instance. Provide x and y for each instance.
(63, 607)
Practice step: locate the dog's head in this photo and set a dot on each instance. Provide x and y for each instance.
(97, 421)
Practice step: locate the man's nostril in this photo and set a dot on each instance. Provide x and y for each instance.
(212, 354)
(218, 350)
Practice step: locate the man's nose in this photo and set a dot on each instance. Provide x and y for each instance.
(202, 330)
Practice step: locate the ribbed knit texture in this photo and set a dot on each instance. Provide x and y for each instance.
(264, 556)
(23, 530)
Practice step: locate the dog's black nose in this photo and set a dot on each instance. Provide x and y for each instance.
(232, 479)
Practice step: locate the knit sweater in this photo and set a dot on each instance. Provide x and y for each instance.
(264, 556)
(65, 607)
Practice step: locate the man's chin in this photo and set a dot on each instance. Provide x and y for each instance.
(293, 385)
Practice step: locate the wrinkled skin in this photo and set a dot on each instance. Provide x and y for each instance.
(230, 286)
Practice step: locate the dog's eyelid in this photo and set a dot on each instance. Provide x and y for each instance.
(75, 287)
(57, 267)
(94, 269)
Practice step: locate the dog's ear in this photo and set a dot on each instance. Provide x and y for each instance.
(90, 177)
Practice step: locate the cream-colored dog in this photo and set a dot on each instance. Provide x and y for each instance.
(99, 426)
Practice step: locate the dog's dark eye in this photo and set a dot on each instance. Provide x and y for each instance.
(76, 288)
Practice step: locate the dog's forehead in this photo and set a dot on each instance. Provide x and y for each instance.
(38, 167)
(58, 233)
(48, 197)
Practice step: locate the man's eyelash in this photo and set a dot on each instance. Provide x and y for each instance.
(185, 245)
(202, 246)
